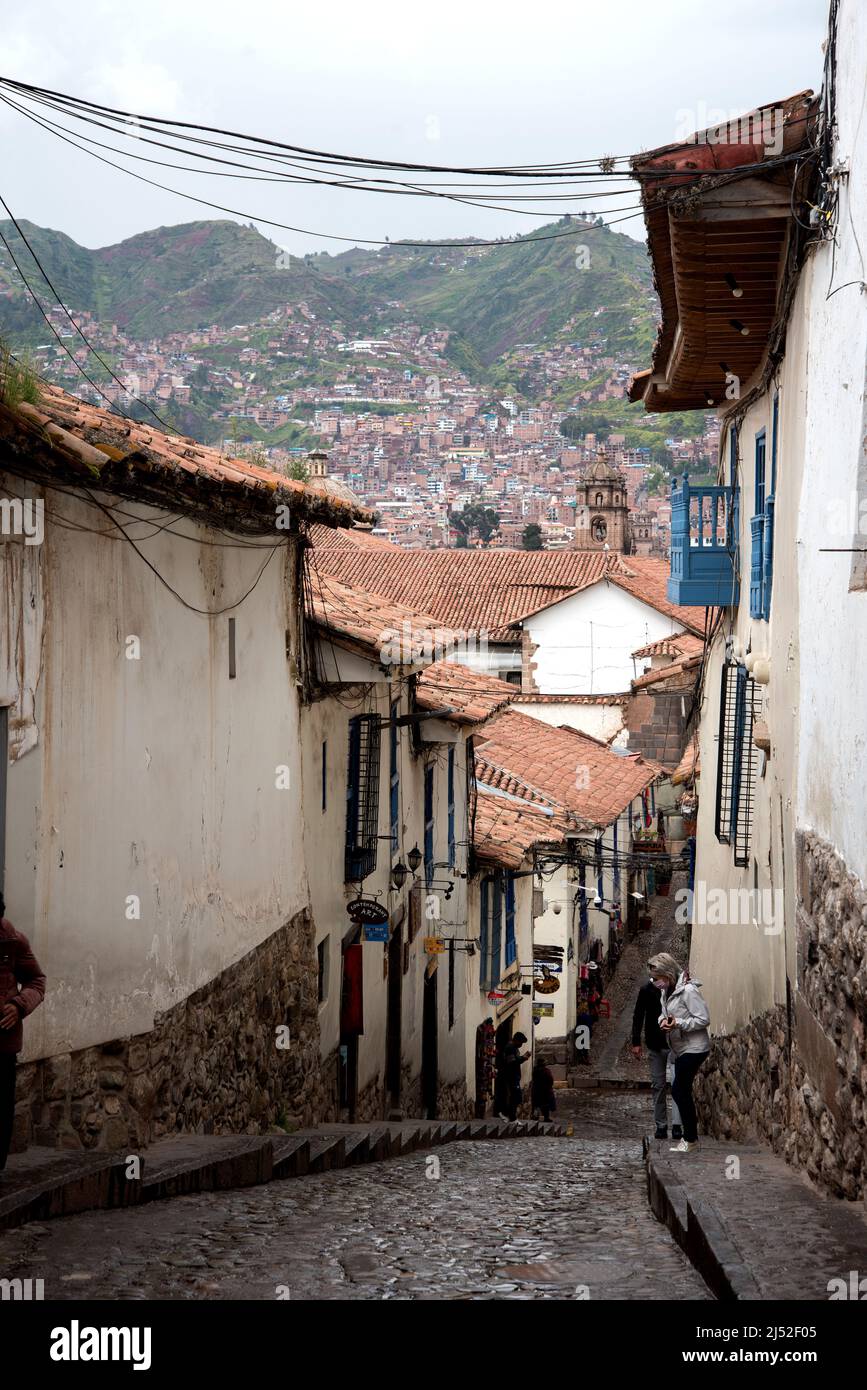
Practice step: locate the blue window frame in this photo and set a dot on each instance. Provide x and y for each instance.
(429, 823)
(394, 779)
(733, 456)
(451, 775)
(484, 933)
(511, 944)
(760, 472)
(616, 864)
(775, 426)
(757, 542)
(497, 932)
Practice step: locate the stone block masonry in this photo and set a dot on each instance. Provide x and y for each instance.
(211, 1064)
(797, 1075)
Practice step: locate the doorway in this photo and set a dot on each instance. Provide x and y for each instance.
(429, 1061)
(351, 1025)
(394, 1011)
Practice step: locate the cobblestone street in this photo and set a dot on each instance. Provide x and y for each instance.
(535, 1218)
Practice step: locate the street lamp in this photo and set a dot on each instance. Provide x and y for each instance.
(399, 875)
(414, 859)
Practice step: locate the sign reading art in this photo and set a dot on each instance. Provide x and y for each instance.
(369, 911)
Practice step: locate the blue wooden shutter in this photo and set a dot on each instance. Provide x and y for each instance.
(394, 778)
(511, 944)
(757, 531)
(740, 712)
(429, 823)
(451, 775)
(616, 865)
(484, 937)
(497, 933)
(583, 922)
(767, 558)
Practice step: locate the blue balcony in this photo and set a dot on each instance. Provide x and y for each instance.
(704, 538)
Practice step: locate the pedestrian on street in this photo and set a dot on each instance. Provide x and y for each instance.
(645, 1019)
(513, 1060)
(685, 1020)
(22, 989)
(543, 1090)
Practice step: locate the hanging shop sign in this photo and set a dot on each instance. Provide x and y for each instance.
(549, 966)
(434, 945)
(368, 911)
(495, 996)
(541, 1010)
(547, 985)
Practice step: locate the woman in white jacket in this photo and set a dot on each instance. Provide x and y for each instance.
(685, 1022)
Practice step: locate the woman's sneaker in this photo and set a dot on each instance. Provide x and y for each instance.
(683, 1147)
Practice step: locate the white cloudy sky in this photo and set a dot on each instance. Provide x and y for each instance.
(452, 82)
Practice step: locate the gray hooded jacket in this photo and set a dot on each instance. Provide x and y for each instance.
(686, 1005)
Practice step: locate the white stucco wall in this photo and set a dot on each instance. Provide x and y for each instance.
(585, 643)
(153, 777)
(600, 721)
(832, 765)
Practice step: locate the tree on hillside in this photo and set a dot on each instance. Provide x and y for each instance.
(298, 470)
(475, 517)
(531, 538)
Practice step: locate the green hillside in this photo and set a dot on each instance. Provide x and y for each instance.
(220, 272)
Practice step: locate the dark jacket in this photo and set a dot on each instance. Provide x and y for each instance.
(543, 1087)
(22, 982)
(513, 1059)
(648, 1007)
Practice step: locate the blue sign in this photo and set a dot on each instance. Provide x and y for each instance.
(376, 931)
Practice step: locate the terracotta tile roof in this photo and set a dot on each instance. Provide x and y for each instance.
(531, 698)
(683, 670)
(65, 439)
(471, 697)
(579, 773)
(492, 590)
(505, 831)
(354, 538)
(689, 766)
(369, 623)
(502, 779)
(681, 644)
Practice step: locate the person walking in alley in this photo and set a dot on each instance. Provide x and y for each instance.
(684, 1019)
(543, 1090)
(22, 989)
(513, 1060)
(645, 1019)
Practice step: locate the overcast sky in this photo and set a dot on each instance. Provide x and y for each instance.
(453, 82)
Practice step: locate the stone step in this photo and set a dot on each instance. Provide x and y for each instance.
(327, 1150)
(187, 1163)
(42, 1183)
(291, 1156)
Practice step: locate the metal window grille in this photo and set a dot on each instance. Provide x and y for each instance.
(732, 676)
(362, 797)
(747, 768)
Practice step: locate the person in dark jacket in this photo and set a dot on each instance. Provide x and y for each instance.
(513, 1060)
(543, 1090)
(645, 1020)
(22, 989)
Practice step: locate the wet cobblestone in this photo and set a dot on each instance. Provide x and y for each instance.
(520, 1219)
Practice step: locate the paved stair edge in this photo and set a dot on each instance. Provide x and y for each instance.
(700, 1231)
(100, 1183)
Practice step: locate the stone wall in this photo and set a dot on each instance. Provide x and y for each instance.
(797, 1076)
(211, 1064)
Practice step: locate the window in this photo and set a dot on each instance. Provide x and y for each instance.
(511, 944)
(599, 879)
(394, 779)
(429, 823)
(322, 963)
(583, 922)
(362, 797)
(616, 863)
(740, 704)
(496, 932)
(451, 777)
(324, 774)
(233, 668)
(733, 456)
(762, 526)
